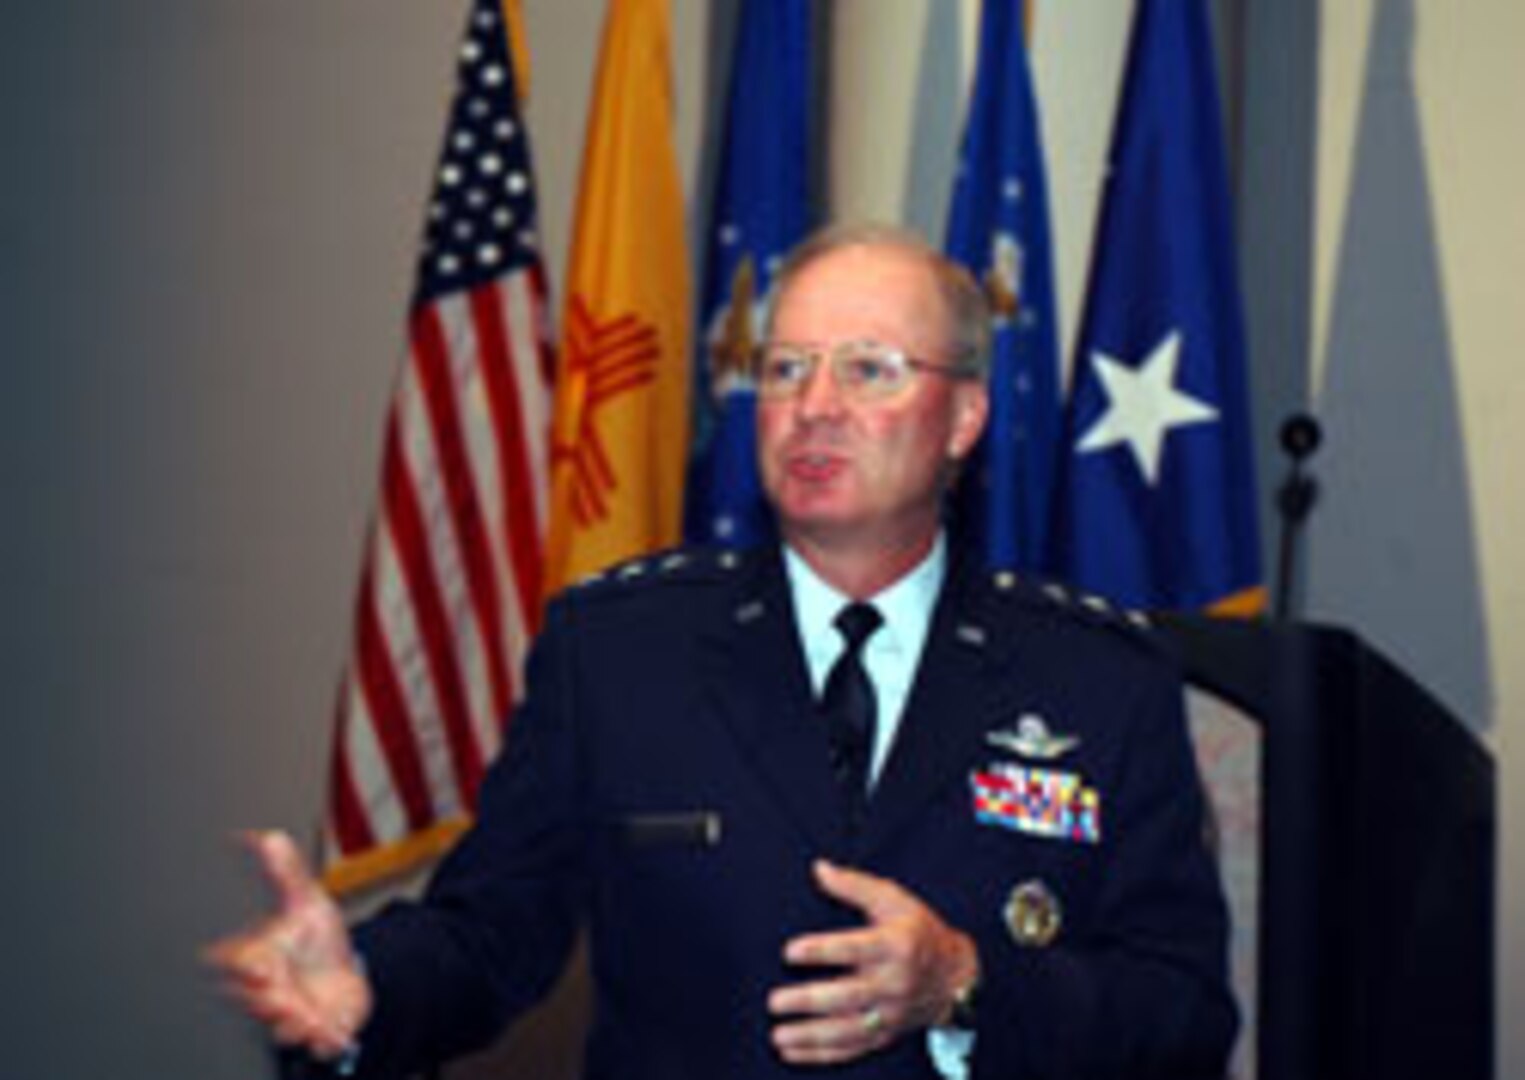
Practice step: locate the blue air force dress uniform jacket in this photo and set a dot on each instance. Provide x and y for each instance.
(666, 785)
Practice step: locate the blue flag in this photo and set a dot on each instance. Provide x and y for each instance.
(998, 227)
(1157, 504)
(761, 209)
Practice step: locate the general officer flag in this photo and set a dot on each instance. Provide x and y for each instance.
(762, 207)
(998, 227)
(1157, 497)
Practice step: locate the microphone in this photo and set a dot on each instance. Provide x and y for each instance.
(1295, 499)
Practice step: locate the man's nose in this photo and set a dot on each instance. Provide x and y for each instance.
(821, 396)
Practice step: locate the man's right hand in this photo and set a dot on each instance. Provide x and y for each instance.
(296, 971)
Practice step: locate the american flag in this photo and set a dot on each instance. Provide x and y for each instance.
(450, 586)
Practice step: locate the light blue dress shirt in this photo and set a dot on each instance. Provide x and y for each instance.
(891, 653)
(891, 656)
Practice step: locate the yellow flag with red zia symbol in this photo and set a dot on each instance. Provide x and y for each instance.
(620, 434)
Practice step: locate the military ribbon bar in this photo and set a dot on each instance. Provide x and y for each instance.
(1039, 802)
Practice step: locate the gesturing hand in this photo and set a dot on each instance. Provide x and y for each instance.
(295, 971)
(899, 973)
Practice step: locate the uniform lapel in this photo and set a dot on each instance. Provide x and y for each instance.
(955, 698)
(756, 679)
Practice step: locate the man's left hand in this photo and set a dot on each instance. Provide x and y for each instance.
(897, 974)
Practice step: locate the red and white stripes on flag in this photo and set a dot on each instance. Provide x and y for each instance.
(450, 587)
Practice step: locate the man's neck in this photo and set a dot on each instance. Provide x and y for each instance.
(859, 570)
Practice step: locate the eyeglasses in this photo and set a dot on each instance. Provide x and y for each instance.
(862, 370)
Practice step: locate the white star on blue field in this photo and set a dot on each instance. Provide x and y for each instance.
(1143, 406)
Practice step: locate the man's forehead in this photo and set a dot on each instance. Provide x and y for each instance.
(869, 258)
(879, 279)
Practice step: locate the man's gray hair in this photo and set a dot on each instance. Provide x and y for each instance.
(961, 294)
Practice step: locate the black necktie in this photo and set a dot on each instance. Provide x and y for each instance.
(849, 708)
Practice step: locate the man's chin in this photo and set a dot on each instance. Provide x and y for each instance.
(817, 514)
(827, 529)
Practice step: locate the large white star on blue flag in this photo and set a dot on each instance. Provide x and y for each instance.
(1143, 406)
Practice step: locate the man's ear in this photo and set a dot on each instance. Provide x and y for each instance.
(971, 408)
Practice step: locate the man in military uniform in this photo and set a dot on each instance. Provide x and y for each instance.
(852, 801)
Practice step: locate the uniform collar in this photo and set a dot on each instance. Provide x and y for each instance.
(906, 606)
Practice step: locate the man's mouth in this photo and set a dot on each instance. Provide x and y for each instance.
(815, 467)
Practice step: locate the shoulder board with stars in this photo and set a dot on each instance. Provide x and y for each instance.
(1086, 606)
(673, 566)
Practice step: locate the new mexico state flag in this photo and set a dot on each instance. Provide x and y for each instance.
(620, 433)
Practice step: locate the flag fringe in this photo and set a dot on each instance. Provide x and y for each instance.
(1244, 604)
(378, 865)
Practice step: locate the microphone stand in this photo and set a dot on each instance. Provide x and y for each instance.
(1300, 437)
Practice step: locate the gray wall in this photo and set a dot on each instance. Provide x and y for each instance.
(201, 320)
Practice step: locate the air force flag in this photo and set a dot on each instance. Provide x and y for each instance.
(761, 209)
(998, 228)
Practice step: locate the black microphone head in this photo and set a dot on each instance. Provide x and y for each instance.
(1301, 435)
